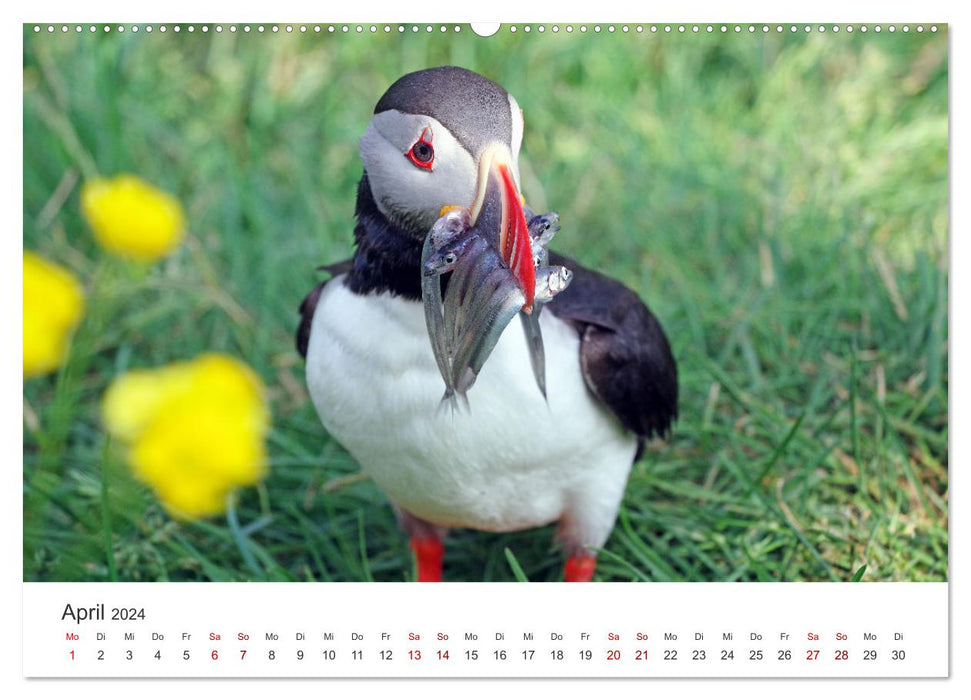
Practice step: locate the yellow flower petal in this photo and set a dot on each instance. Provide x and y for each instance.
(186, 499)
(131, 218)
(133, 400)
(195, 430)
(53, 305)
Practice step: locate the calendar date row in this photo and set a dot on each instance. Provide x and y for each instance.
(472, 655)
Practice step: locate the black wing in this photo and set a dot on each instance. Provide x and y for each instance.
(625, 356)
(309, 305)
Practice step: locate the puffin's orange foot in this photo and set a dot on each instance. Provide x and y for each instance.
(579, 569)
(428, 555)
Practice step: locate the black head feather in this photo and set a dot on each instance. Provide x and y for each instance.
(475, 109)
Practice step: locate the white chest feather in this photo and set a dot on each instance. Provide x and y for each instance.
(514, 461)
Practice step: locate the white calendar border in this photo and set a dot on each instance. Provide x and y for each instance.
(437, 10)
(624, 629)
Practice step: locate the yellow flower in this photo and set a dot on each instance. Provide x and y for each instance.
(53, 304)
(194, 430)
(131, 218)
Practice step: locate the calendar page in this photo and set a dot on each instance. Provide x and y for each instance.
(362, 350)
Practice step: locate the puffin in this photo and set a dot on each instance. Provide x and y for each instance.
(441, 139)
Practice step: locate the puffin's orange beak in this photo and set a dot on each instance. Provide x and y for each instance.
(498, 210)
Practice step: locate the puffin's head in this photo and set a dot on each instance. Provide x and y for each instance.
(445, 137)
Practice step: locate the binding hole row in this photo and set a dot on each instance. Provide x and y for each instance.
(513, 29)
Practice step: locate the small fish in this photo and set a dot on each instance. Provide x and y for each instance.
(492, 307)
(534, 342)
(447, 228)
(441, 262)
(552, 280)
(481, 298)
(542, 228)
(480, 258)
(476, 278)
(446, 256)
(490, 289)
(504, 304)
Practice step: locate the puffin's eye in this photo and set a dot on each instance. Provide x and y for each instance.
(422, 154)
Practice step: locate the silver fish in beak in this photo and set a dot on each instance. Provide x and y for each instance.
(541, 229)
(445, 258)
(550, 281)
(480, 285)
(448, 228)
(482, 295)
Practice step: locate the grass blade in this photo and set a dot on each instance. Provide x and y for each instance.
(517, 570)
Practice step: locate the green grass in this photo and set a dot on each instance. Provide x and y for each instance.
(779, 201)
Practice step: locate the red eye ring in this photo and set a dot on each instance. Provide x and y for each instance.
(422, 153)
